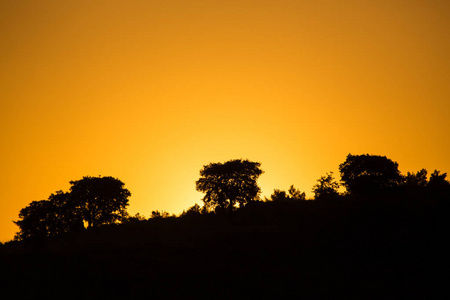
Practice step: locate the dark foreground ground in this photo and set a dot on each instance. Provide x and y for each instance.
(363, 250)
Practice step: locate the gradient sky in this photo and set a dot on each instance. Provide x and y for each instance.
(150, 91)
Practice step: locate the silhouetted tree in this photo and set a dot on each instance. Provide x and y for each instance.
(369, 174)
(193, 210)
(296, 194)
(35, 220)
(293, 194)
(438, 186)
(418, 179)
(279, 195)
(156, 214)
(326, 187)
(230, 183)
(100, 200)
(65, 214)
(438, 180)
(133, 219)
(50, 217)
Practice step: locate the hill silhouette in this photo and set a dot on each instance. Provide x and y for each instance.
(386, 237)
(313, 248)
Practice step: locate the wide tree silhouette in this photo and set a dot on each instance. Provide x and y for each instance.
(94, 200)
(369, 174)
(100, 200)
(229, 184)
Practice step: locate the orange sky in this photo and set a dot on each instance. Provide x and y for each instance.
(150, 91)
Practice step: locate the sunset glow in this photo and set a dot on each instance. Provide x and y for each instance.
(150, 91)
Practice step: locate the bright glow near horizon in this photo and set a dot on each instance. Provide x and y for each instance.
(150, 91)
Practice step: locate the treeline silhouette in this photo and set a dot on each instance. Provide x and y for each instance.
(384, 236)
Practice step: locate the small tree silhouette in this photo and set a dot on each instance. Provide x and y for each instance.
(293, 194)
(156, 214)
(438, 180)
(326, 187)
(193, 210)
(416, 179)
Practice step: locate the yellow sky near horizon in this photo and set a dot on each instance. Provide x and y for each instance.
(150, 91)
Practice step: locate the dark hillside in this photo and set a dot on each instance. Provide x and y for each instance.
(361, 249)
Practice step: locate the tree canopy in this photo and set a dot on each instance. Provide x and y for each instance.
(282, 196)
(94, 200)
(229, 184)
(100, 200)
(369, 174)
(326, 187)
(418, 179)
(49, 217)
(35, 220)
(438, 180)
